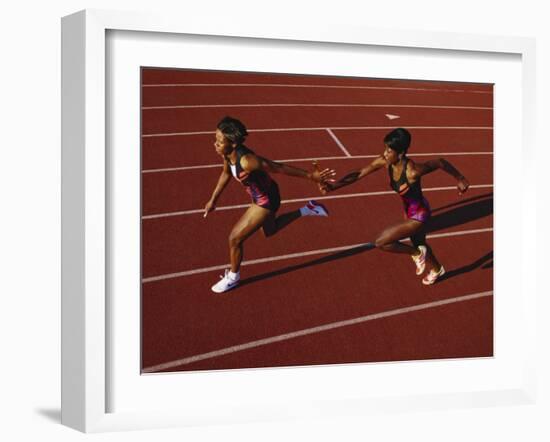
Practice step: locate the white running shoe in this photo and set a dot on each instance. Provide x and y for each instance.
(433, 276)
(226, 283)
(420, 260)
(313, 208)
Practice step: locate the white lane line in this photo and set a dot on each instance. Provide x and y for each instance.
(339, 143)
(216, 106)
(314, 330)
(295, 160)
(314, 86)
(298, 255)
(316, 198)
(298, 129)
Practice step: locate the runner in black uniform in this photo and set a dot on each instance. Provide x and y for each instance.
(263, 190)
(251, 171)
(405, 177)
(415, 206)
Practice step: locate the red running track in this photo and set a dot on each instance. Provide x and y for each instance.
(273, 318)
(197, 150)
(171, 121)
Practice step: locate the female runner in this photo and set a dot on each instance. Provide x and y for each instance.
(252, 171)
(404, 175)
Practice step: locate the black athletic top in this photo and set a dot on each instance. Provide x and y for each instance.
(259, 185)
(407, 191)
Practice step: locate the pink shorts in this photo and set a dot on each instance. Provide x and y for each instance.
(418, 210)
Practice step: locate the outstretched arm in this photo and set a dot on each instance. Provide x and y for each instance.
(354, 176)
(441, 163)
(224, 178)
(253, 162)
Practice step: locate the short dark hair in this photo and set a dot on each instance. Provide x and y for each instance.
(398, 139)
(233, 129)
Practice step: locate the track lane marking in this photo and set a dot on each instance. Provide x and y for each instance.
(300, 255)
(339, 143)
(316, 198)
(298, 129)
(292, 160)
(313, 330)
(314, 86)
(215, 106)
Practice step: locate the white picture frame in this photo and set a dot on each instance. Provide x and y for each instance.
(85, 214)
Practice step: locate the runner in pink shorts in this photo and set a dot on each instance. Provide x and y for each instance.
(405, 176)
(253, 173)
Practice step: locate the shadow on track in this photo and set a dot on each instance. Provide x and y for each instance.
(459, 213)
(478, 207)
(328, 258)
(485, 262)
(461, 202)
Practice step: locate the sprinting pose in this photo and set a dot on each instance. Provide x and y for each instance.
(252, 171)
(405, 177)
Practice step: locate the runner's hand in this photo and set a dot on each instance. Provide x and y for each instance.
(210, 206)
(462, 185)
(325, 187)
(321, 176)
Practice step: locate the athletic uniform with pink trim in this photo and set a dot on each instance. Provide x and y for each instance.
(263, 190)
(414, 204)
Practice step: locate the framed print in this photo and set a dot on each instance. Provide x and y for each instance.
(319, 324)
